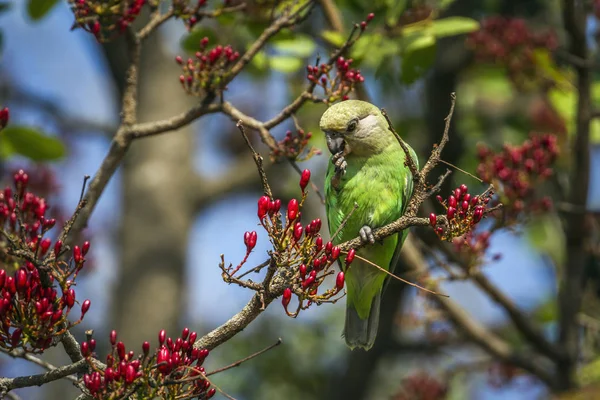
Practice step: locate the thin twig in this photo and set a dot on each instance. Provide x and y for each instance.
(258, 160)
(250, 357)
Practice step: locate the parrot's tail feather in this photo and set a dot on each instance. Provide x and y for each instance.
(361, 333)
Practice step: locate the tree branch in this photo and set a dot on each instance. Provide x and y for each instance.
(479, 334)
(570, 295)
(8, 384)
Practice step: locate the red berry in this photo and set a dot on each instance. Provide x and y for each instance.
(263, 206)
(304, 179)
(292, 211)
(432, 219)
(339, 280)
(287, 296)
(350, 257)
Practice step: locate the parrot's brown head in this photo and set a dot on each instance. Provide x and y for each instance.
(355, 127)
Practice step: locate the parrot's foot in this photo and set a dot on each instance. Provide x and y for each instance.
(366, 234)
(340, 163)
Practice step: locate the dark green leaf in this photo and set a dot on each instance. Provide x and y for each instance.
(37, 9)
(417, 59)
(32, 144)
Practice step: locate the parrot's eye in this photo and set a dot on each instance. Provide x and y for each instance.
(352, 126)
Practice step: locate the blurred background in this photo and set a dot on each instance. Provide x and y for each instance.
(182, 199)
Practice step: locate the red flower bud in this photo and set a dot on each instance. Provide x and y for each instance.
(328, 247)
(193, 337)
(304, 178)
(287, 296)
(77, 257)
(263, 207)
(276, 206)
(85, 307)
(162, 360)
(162, 335)
(129, 374)
(319, 243)
(350, 257)
(85, 349)
(85, 248)
(146, 348)
(16, 337)
(92, 343)
(298, 231)
(57, 247)
(121, 350)
(179, 60)
(113, 337)
(335, 253)
(339, 281)
(370, 17)
(211, 393)
(250, 240)
(21, 280)
(452, 201)
(463, 189)
(45, 245)
(432, 219)
(477, 214)
(292, 211)
(302, 270)
(451, 212)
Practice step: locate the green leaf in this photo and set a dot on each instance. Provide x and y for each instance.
(300, 46)
(285, 64)
(334, 38)
(259, 62)
(191, 42)
(417, 58)
(549, 68)
(417, 42)
(452, 26)
(37, 9)
(32, 144)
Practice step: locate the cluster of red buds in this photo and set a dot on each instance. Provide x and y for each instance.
(517, 172)
(336, 85)
(31, 311)
(207, 70)
(106, 19)
(4, 117)
(463, 212)
(421, 386)
(174, 370)
(301, 257)
(510, 43)
(295, 147)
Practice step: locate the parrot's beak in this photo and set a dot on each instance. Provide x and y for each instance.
(335, 142)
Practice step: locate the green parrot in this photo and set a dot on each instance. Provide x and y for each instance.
(367, 168)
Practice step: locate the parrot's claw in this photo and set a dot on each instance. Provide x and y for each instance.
(366, 234)
(340, 163)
